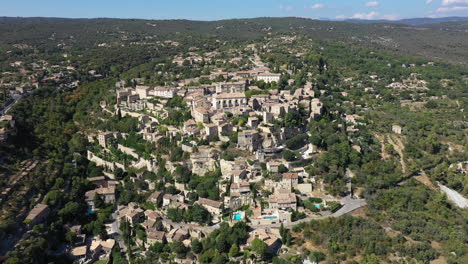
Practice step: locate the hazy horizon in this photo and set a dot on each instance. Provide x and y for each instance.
(211, 10)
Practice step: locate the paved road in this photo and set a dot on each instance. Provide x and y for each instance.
(349, 205)
(115, 231)
(204, 229)
(454, 196)
(6, 109)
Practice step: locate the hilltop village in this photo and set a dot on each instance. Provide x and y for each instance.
(255, 152)
(235, 148)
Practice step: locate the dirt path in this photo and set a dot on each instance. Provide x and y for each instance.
(381, 139)
(399, 147)
(397, 144)
(424, 179)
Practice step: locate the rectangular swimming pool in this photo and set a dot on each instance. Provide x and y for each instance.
(237, 216)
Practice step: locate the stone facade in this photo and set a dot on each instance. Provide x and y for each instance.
(228, 101)
(269, 77)
(234, 87)
(249, 140)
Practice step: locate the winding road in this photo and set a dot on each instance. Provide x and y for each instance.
(349, 205)
(8, 107)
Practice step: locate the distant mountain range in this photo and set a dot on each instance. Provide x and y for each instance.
(413, 21)
(408, 21)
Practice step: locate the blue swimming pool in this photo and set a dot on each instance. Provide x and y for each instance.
(237, 216)
(270, 217)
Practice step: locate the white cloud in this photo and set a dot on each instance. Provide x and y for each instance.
(370, 15)
(372, 4)
(287, 8)
(429, 2)
(316, 6)
(454, 2)
(451, 9)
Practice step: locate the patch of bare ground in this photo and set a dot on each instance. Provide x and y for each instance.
(413, 106)
(395, 258)
(361, 212)
(398, 145)
(358, 191)
(381, 139)
(435, 245)
(424, 179)
(397, 142)
(307, 243)
(311, 247)
(453, 146)
(439, 260)
(393, 233)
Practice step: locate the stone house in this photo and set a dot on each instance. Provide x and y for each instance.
(396, 129)
(154, 236)
(249, 140)
(283, 201)
(156, 197)
(271, 240)
(201, 114)
(38, 214)
(107, 194)
(177, 235)
(291, 178)
(214, 207)
(204, 160)
(131, 213)
(211, 131)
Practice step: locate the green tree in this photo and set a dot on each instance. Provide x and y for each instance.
(179, 248)
(71, 211)
(98, 201)
(260, 248)
(197, 246)
(234, 251)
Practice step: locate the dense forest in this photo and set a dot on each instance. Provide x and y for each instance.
(438, 41)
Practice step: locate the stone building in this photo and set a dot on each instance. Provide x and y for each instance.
(233, 87)
(142, 91)
(316, 108)
(204, 160)
(396, 129)
(283, 201)
(201, 114)
(269, 77)
(214, 207)
(103, 137)
(249, 140)
(229, 100)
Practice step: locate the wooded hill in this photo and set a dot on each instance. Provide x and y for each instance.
(444, 41)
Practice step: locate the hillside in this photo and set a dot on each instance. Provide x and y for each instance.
(414, 21)
(439, 41)
(268, 140)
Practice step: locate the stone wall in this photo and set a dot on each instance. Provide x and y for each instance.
(103, 163)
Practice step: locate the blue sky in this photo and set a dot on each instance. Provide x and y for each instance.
(223, 9)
